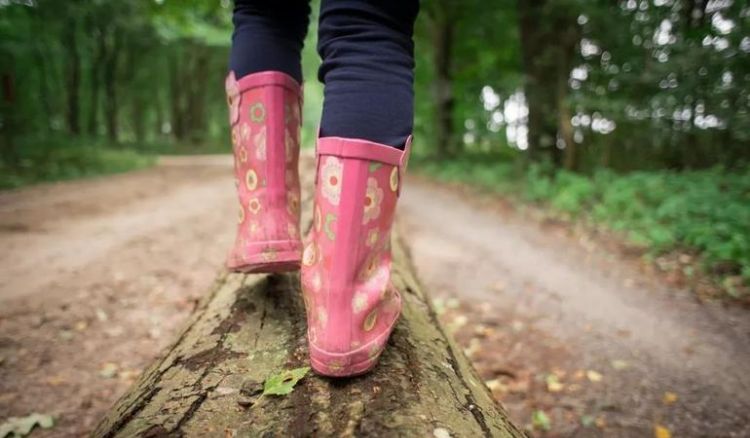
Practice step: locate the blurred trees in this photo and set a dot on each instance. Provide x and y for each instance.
(579, 84)
(135, 71)
(631, 84)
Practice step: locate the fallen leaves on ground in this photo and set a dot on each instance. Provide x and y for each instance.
(619, 364)
(284, 382)
(109, 370)
(661, 432)
(496, 385)
(129, 375)
(22, 426)
(540, 420)
(101, 315)
(554, 384)
(441, 432)
(56, 380)
(669, 398)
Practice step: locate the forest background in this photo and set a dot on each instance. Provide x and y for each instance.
(631, 115)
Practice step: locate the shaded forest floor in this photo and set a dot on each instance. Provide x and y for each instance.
(98, 275)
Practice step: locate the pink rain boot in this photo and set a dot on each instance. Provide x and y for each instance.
(264, 112)
(351, 303)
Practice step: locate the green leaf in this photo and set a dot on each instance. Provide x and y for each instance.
(283, 383)
(587, 420)
(22, 426)
(540, 420)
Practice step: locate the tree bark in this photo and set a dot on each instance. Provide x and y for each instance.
(96, 69)
(176, 92)
(196, 97)
(442, 40)
(541, 134)
(139, 118)
(110, 85)
(40, 56)
(252, 326)
(8, 111)
(73, 77)
(568, 40)
(566, 135)
(548, 38)
(159, 117)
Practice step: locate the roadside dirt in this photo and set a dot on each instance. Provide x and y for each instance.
(97, 276)
(557, 323)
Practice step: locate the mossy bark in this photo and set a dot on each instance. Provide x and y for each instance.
(253, 326)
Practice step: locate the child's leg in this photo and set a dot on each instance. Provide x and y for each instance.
(264, 97)
(268, 36)
(368, 61)
(367, 67)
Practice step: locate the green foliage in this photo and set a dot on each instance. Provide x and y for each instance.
(131, 72)
(41, 161)
(705, 210)
(540, 420)
(628, 85)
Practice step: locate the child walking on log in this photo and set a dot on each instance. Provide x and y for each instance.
(363, 144)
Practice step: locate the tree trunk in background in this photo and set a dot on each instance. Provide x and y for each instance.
(542, 133)
(159, 112)
(570, 161)
(7, 110)
(442, 39)
(568, 38)
(110, 85)
(685, 154)
(44, 74)
(175, 95)
(196, 98)
(139, 118)
(548, 39)
(96, 73)
(132, 56)
(73, 77)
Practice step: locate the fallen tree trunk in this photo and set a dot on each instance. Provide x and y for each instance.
(253, 326)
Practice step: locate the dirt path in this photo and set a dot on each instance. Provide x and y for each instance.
(96, 276)
(563, 306)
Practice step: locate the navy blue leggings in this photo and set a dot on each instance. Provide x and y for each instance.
(367, 57)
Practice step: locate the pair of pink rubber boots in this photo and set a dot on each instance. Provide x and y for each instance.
(351, 303)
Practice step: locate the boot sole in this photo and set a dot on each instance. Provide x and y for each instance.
(286, 261)
(322, 367)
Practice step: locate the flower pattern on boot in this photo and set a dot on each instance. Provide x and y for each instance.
(265, 123)
(331, 179)
(352, 305)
